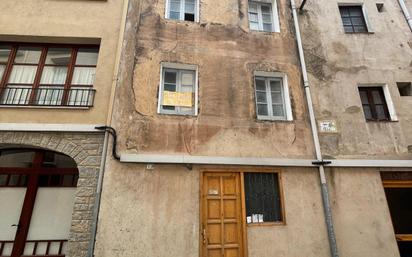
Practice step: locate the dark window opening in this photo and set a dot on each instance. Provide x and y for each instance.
(353, 19)
(400, 207)
(262, 194)
(380, 8)
(189, 17)
(374, 104)
(405, 88)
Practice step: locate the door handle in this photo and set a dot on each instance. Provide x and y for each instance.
(204, 236)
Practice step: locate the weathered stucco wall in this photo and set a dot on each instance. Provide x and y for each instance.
(156, 213)
(339, 62)
(227, 54)
(50, 21)
(361, 215)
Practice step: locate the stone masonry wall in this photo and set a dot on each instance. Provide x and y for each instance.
(86, 149)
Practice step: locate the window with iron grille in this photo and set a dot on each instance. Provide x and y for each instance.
(184, 10)
(353, 19)
(263, 16)
(47, 75)
(374, 104)
(262, 195)
(178, 90)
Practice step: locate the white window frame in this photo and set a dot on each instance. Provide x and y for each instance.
(177, 66)
(275, 15)
(182, 11)
(285, 94)
(364, 12)
(388, 98)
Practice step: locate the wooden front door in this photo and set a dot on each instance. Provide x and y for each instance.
(221, 231)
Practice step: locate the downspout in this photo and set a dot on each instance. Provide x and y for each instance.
(324, 188)
(96, 208)
(406, 13)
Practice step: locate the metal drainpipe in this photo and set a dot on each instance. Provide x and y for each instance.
(324, 188)
(406, 13)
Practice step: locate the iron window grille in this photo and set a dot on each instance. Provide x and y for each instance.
(47, 75)
(263, 199)
(353, 19)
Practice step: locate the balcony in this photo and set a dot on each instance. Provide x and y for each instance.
(47, 96)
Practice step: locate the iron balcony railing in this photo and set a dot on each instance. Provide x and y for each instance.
(47, 96)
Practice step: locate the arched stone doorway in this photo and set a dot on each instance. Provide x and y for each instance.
(37, 189)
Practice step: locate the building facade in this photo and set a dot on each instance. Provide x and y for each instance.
(213, 120)
(58, 61)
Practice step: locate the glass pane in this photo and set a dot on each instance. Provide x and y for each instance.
(175, 5)
(260, 85)
(170, 77)
(253, 17)
(278, 110)
(359, 29)
(267, 27)
(277, 98)
(261, 97)
(16, 95)
(253, 7)
(254, 25)
(52, 215)
(275, 86)
(87, 56)
(367, 111)
(380, 112)
(2, 68)
(16, 158)
(185, 88)
(265, 9)
(364, 97)
(169, 108)
(83, 76)
(400, 207)
(53, 75)
(262, 109)
(12, 199)
(377, 97)
(267, 18)
(357, 21)
(344, 12)
(348, 29)
(188, 79)
(49, 96)
(28, 55)
(14, 180)
(4, 53)
(58, 56)
(346, 21)
(3, 179)
(174, 15)
(355, 11)
(22, 74)
(189, 6)
(170, 87)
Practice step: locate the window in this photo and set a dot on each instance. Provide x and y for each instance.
(47, 75)
(398, 191)
(272, 97)
(405, 88)
(184, 10)
(178, 92)
(374, 104)
(353, 19)
(262, 196)
(263, 16)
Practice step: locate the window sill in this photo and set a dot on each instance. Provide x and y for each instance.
(266, 119)
(266, 224)
(43, 107)
(382, 121)
(265, 32)
(360, 33)
(178, 115)
(183, 21)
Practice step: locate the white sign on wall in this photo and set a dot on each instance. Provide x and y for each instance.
(328, 126)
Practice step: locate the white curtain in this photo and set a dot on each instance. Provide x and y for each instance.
(53, 75)
(83, 76)
(23, 74)
(2, 68)
(80, 96)
(50, 95)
